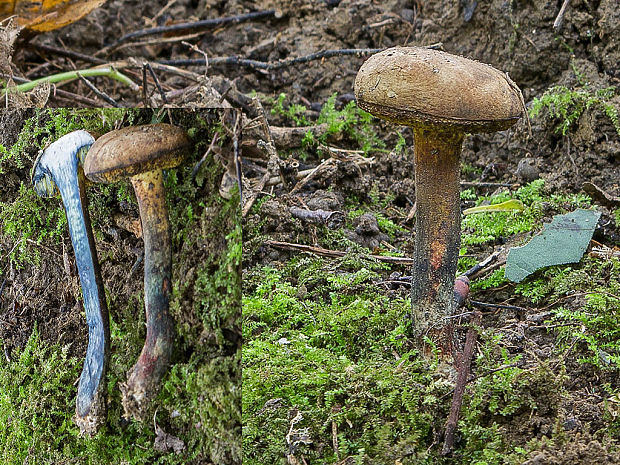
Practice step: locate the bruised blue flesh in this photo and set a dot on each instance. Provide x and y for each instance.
(60, 162)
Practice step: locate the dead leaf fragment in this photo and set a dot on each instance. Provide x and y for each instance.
(47, 15)
(165, 442)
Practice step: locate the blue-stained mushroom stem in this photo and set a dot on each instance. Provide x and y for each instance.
(143, 381)
(141, 153)
(59, 165)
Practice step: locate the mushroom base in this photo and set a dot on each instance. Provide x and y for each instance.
(438, 231)
(144, 379)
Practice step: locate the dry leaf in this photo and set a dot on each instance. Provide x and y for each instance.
(47, 15)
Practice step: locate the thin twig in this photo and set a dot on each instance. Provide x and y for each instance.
(557, 24)
(193, 26)
(489, 184)
(145, 86)
(201, 52)
(99, 93)
(237, 153)
(502, 306)
(157, 84)
(204, 157)
(335, 253)
(274, 65)
(67, 53)
(63, 94)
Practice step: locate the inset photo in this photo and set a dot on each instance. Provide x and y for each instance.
(120, 286)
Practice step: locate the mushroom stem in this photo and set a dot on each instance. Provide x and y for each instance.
(145, 377)
(60, 163)
(438, 225)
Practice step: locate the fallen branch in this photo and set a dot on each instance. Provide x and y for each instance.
(335, 253)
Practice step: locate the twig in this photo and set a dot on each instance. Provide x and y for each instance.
(479, 267)
(155, 41)
(459, 389)
(557, 24)
(68, 53)
(145, 85)
(157, 84)
(73, 98)
(201, 52)
(194, 26)
(99, 93)
(488, 305)
(335, 253)
(489, 184)
(312, 174)
(236, 136)
(204, 157)
(274, 65)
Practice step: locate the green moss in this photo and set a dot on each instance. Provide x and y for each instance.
(595, 323)
(567, 105)
(332, 361)
(350, 122)
(482, 228)
(200, 399)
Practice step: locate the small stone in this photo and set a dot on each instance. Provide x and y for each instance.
(527, 170)
(407, 14)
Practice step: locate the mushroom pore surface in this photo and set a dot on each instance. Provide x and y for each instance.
(416, 86)
(136, 149)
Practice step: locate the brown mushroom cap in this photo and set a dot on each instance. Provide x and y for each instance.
(136, 149)
(419, 86)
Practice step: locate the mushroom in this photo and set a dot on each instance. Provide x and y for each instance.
(441, 97)
(141, 153)
(59, 166)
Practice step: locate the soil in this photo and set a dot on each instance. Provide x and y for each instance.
(515, 36)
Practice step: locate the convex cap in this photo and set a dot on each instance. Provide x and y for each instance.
(419, 86)
(136, 149)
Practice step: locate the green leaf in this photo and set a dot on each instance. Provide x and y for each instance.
(564, 240)
(498, 207)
